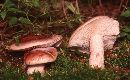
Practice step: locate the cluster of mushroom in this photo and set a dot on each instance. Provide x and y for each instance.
(96, 35)
(38, 51)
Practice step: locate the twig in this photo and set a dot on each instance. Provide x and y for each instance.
(100, 3)
(124, 6)
(121, 4)
(63, 7)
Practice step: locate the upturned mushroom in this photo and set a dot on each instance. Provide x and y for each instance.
(35, 60)
(39, 50)
(95, 36)
(31, 41)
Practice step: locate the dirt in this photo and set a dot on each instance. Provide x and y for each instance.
(88, 11)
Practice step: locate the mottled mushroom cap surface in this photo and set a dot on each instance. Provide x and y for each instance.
(40, 56)
(36, 41)
(102, 25)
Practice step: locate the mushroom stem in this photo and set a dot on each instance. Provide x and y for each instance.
(32, 69)
(96, 59)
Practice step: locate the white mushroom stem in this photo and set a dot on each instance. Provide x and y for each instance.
(36, 59)
(32, 69)
(96, 59)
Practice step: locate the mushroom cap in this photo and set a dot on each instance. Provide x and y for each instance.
(40, 56)
(36, 41)
(102, 25)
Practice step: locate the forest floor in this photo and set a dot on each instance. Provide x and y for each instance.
(69, 65)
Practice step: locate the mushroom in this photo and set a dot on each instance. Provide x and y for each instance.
(38, 49)
(36, 41)
(35, 60)
(97, 35)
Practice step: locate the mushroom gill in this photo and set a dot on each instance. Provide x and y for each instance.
(96, 34)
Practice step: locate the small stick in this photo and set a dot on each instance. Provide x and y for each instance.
(100, 4)
(63, 7)
(121, 4)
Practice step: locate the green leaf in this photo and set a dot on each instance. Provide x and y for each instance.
(70, 6)
(17, 41)
(24, 20)
(126, 29)
(128, 36)
(13, 10)
(3, 14)
(13, 21)
(35, 3)
(8, 4)
(126, 13)
(77, 8)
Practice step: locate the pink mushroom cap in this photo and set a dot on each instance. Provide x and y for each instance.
(36, 41)
(40, 56)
